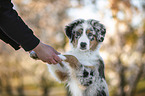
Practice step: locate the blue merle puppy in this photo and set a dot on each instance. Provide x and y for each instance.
(82, 68)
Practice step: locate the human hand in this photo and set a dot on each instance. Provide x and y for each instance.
(47, 54)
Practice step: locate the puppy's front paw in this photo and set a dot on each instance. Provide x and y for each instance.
(73, 61)
(62, 57)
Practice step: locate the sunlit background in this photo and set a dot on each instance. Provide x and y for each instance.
(123, 49)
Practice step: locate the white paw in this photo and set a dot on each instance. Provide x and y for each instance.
(62, 57)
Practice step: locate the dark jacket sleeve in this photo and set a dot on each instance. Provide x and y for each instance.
(8, 40)
(14, 27)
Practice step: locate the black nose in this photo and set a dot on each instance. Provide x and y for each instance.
(83, 44)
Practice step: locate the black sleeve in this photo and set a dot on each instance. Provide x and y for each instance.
(14, 27)
(8, 40)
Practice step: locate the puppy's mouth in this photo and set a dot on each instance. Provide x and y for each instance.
(83, 49)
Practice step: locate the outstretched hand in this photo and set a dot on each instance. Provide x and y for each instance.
(47, 54)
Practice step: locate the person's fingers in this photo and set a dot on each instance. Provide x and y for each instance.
(46, 60)
(57, 59)
(53, 61)
(49, 62)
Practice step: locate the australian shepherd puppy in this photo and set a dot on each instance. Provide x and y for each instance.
(82, 68)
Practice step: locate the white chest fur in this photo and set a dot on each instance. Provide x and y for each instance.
(87, 59)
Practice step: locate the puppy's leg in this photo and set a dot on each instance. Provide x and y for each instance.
(58, 72)
(62, 71)
(72, 61)
(72, 64)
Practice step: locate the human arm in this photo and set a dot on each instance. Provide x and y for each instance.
(14, 29)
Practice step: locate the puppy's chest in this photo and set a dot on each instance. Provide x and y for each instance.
(87, 75)
(88, 72)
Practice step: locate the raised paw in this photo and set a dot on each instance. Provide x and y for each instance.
(72, 60)
(62, 57)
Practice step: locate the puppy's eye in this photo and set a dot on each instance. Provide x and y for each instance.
(80, 30)
(78, 34)
(88, 31)
(90, 34)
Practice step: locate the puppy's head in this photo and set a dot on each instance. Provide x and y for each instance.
(85, 34)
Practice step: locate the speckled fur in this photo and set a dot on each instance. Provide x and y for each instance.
(83, 69)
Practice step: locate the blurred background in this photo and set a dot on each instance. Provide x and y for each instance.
(123, 49)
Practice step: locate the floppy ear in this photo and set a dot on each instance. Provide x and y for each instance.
(99, 29)
(69, 28)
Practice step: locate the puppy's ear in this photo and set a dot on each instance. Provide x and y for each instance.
(99, 29)
(69, 28)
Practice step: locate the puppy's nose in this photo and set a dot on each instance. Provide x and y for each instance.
(83, 44)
